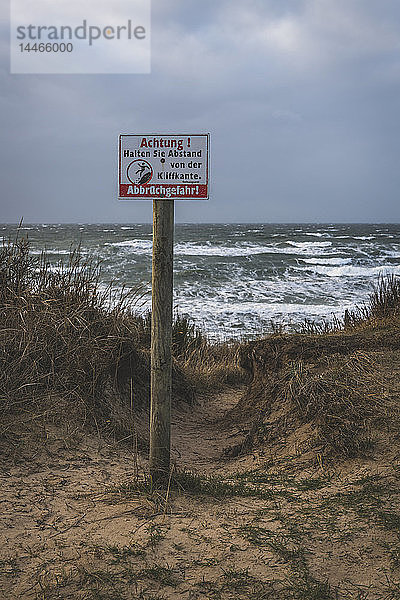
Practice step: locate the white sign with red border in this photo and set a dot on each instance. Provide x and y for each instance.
(163, 166)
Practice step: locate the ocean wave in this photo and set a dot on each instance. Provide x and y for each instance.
(238, 318)
(234, 278)
(262, 309)
(138, 246)
(327, 261)
(292, 286)
(188, 249)
(237, 249)
(309, 244)
(53, 251)
(355, 271)
(392, 253)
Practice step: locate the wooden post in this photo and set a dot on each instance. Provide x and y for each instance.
(161, 339)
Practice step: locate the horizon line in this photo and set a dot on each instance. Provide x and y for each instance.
(22, 223)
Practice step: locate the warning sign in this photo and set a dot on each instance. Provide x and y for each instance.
(163, 166)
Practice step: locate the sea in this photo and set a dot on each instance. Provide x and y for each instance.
(237, 280)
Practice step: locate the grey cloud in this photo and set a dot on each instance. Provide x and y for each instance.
(300, 98)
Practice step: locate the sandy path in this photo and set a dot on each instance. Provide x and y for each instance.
(66, 536)
(52, 506)
(200, 433)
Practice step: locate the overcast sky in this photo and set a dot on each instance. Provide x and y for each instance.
(301, 98)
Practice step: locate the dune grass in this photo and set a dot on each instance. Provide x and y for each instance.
(77, 354)
(326, 377)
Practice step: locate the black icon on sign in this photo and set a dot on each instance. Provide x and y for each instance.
(139, 172)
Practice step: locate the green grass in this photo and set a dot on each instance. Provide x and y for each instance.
(289, 555)
(238, 583)
(211, 588)
(300, 584)
(104, 581)
(122, 553)
(156, 534)
(312, 483)
(207, 562)
(241, 582)
(394, 554)
(164, 575)
(281, 545)
(392, 591)
(305, 587)
(283, 479)
(9, 567)
(389, 520)
(187, 482)
(259, 476)
(368, 502)
(258, 536)
(112, 582)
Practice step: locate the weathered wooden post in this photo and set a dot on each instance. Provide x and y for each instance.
(161, 338)
(165, 167)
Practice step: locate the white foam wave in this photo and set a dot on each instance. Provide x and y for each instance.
(355, 271)
(392, 253)
(237, 318)
(237, 249)
(327, 261)
(309, 244)
(263, 309)
(47, 251)
(137, 246)
(204, 250)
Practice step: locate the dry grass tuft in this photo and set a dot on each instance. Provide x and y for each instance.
(325, 378)
(340, 396)
(385, 299)
(76, 355)
(207, 366)
(71, 352)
